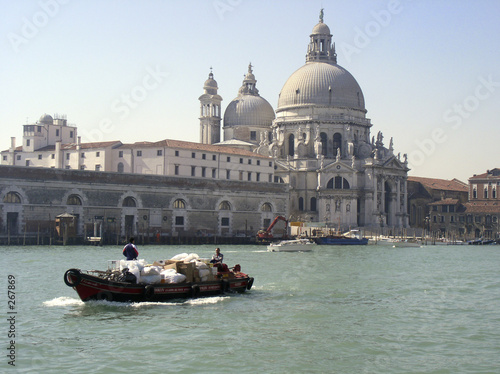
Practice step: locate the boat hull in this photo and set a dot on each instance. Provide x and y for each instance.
(341, 241)
(91, 287)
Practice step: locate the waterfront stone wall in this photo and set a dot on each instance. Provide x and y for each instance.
(113, 206)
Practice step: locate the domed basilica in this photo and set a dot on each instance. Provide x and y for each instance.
(320, 139)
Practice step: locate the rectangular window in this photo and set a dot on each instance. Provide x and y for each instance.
(228, 159)
(193, 171)
(214, 173)
(176, 172)
(442, 219)
(258, 162)
(203, 172)
(270, 178)
(67, 167)
(435, 208)
(249, 161)
(445, 208)
(452, 219)
(57, 132)
(18, 158)
(477, 219)
(224, 221)
(241, 176)
(120, 154)
(82, 155)
(98, 168)
(159, 152)
(214, 158)
(4, 158)
(253, 135)
(82, 167)
(52, 156)
(71, 134)
(67, 156)
(228, 174)
(139, 153)
(193, 155)
(241, 160)
(203, 156)
(451, 208)
(257, 177)
(27, 162)
(98, 154)
(249, 177)
(39, 129)
(434, 218)
(179, 221)
(176, 153)
(27, 142)
(39, 157)
(270, 164)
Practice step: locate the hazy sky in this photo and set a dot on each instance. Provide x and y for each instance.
(133, 70)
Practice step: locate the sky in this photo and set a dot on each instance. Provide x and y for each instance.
(133, 70)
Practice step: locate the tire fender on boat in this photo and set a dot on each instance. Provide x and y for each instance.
(149, 292)
(250, 283)
(195, 291)
(75, 273)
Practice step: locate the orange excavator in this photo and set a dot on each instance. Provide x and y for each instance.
(266, 235)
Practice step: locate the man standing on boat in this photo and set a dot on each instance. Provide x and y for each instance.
(130, 250)
(218, 257)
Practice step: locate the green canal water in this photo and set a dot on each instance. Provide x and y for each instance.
(365, 309)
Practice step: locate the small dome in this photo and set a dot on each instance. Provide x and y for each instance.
(210, 85)
(323, 84)
(46, 119)
(321, 28)
(249, 110)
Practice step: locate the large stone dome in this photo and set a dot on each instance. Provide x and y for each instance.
(248, 110)
(321, 84)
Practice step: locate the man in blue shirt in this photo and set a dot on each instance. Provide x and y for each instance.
(130, 250)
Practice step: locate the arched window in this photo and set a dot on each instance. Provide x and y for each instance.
(179, 204)
(266, 207)
(301, 203)
(324, 143)
(120, 167)
(224, 205)
(74, 200)
(337, 143)
(12, 198)
(129, 202)
(313, 204)
(338, 183)
(291, 145)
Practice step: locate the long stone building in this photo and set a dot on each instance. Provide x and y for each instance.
(116, 205)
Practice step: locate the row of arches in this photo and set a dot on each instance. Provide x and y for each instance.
(336, 144)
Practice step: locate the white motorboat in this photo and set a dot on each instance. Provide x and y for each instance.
(294, 245)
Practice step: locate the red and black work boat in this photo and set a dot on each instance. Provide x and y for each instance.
(112, 286)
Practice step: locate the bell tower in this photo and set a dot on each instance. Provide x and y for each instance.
(210, 112)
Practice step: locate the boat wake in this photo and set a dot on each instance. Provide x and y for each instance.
(69, 301)
(63, 301)
(206, 300)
